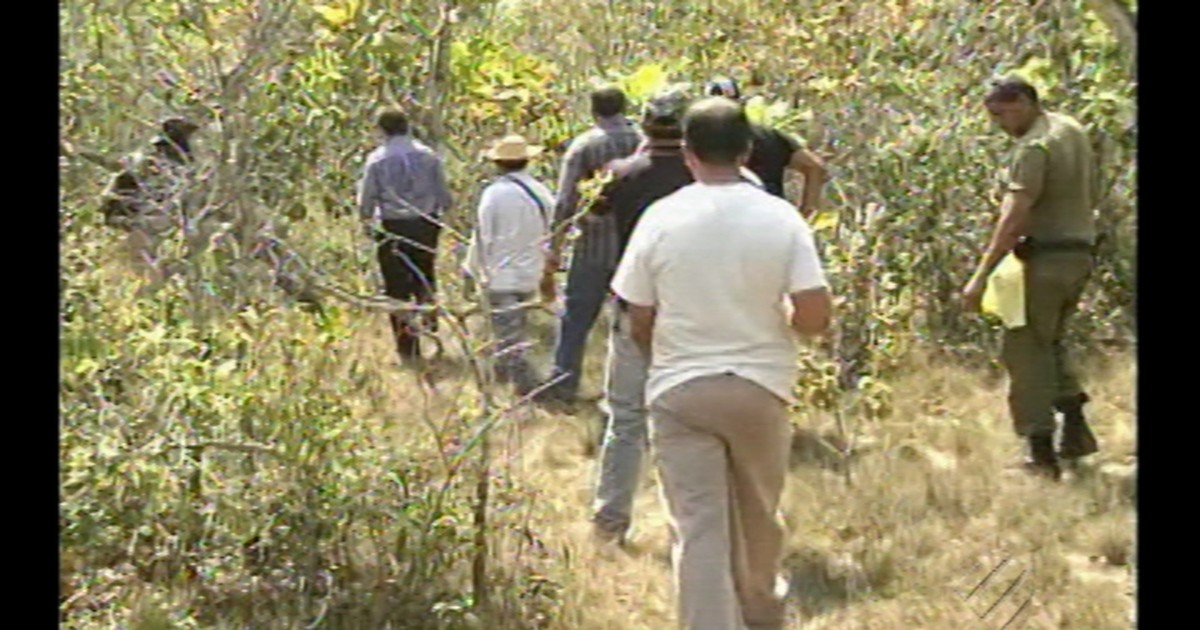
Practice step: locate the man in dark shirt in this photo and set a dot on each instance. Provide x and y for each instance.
(774, 152)
(139, 190)
(638, 182)
(150, 195)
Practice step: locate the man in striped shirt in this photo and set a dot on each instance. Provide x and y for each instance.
(401, 197)
(594, 257)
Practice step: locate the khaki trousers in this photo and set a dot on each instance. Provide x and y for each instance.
(721, 447)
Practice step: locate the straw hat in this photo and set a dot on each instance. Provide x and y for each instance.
(512, 148)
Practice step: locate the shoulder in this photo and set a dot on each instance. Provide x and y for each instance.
(1032, 148)
(778, 206)
(544, 190)
(673, 204)
(1063, 120)
(375, 155)
(781, 138)
(627, 168)
(426, 151)
(759, 202)
(495, 188)
(1064, 126)
(585, 139)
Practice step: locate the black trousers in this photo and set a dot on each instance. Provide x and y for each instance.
(407, 251)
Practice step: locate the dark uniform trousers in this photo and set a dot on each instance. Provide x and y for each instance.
(1040, 374)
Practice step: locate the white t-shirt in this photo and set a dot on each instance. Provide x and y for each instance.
(717, 262)
(510, 240)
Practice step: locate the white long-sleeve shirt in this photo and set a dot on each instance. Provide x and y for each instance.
(509, 243)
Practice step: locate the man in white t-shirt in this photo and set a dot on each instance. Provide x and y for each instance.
(508, 254)
(710, 274)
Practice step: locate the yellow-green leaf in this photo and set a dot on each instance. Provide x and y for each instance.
(824, 221)
(645, 81)
(824, 85)
(777, 110)
(86, 366)
(335, 16)
(225, 369)
(756, 109)
(1040, 72)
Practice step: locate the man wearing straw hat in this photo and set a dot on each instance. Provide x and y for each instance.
(508, 253)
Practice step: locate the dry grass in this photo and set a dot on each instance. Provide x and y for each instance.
(930, 512)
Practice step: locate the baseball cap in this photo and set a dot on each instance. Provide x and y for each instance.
(668, 106)
(722, 86)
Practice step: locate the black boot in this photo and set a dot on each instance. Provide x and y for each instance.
(1042, 460)
(1077, 438)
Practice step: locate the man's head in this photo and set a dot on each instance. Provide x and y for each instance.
(178, 129)
(1013, 104)
(716, 132)
(723, 86)
(512, 153)
(608, 101)
(662, 118)
(392, 122)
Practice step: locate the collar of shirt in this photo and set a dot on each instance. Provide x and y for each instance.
(399, 142)
(614, 123)
(511, 191)
(665, 147)
(522, 175)
(1038, 129)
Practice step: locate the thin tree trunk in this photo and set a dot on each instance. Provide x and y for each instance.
(1121, 21)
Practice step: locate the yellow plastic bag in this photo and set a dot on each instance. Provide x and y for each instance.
(1004, 295)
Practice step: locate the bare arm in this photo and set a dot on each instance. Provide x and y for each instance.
(1024, 187)
(812, 311)
(641, 326)
(1013, 224)
(815, 175)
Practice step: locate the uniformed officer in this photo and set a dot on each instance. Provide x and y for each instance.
(1047, 221)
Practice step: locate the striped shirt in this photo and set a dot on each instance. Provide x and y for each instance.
(611, 138)
(402, 179)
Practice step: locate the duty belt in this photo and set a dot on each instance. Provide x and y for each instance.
(1029, 247)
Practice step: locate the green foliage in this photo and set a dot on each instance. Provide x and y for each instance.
(218, 441)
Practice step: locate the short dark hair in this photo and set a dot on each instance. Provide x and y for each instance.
(717, 131)
(658, 130)
(608, 101)
(392, 121)
(1009, 89)
(509, 166)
